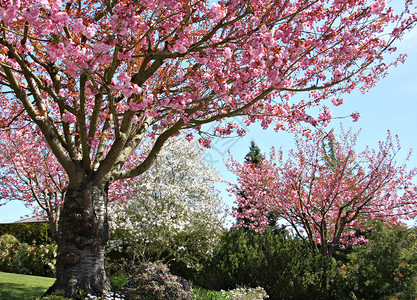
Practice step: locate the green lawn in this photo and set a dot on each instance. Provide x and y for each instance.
(26, 287)
(20, 287)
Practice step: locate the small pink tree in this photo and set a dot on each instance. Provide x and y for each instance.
(98, 78)
(31, 173)
(326, 191)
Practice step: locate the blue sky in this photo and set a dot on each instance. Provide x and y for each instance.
(392, 105)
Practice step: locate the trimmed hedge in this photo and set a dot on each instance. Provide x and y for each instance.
(28, 232)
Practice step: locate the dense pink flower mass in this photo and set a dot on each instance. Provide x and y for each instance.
(325, 190)
(199, 62)
(98, 79)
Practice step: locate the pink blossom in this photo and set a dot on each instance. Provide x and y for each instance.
(218, 12)
(338, 74)
(378, 6)
(135, 106)
(205, 142)
(396, 32)
(337, 101)
(45, 4)
(68, 117)
(92, 142)
(136, 89)
(79, 51)
(355, 116)
(89, 31)
(61, 18)
(180, 47)
(48, 27)
(31, 14)
(123, 77)
(10, 14)
(227, 52)
(122, 56)
(101, 47)
(325, 117)
(78, 26)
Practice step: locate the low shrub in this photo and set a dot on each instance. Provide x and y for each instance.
(153, 281)
(118, 281)
(23, 258)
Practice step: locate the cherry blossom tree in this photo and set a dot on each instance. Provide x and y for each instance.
(30, 173)
(173, 211)
(97, 78)
(325, 190)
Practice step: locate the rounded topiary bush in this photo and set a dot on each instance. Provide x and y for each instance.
(7, 240)
(153, 281)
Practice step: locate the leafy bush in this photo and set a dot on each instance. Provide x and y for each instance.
(385, 268)
(282, 265)
(153, 281)
(23, 258)
(117, 282)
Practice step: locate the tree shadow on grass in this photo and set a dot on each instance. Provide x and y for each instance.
(16, 291)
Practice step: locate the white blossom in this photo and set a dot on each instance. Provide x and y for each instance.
(175, 210)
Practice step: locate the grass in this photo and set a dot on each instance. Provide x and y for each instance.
(26, 287)
(23, 287)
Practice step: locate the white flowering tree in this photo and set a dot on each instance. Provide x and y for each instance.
(174, 211)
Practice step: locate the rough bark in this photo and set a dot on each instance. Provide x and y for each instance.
(83, 235)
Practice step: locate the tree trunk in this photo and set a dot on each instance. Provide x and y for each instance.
(83, 235)
(53, 218)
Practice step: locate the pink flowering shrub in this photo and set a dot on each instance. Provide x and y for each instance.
(153, 281)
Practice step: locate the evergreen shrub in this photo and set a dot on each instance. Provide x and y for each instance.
(282, 265)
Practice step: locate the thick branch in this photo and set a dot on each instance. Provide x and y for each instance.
(152, 154)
